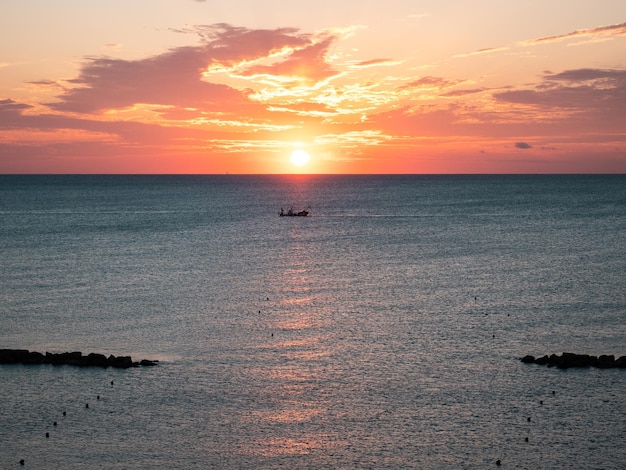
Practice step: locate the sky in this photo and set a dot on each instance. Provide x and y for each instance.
(395, 86)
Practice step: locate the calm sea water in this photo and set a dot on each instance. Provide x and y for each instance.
(382, 331)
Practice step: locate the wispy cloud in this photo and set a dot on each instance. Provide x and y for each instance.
(364, 64)
(487, 50)
(431, 82)
(601, 33)
(611, 30)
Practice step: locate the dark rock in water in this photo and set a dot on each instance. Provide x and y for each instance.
(122, 362)
(569, 360)
(94, 359)
(76, 358)
(13, 356)
(606, 362)
(34, 358)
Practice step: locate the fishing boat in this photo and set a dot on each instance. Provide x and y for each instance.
(292, 213)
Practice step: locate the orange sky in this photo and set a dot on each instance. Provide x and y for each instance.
(188, 86)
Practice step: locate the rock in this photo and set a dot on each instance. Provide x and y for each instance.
(569, 360)
(75, 358)
(13, 356)
(93, 359)
(121, 362)
(606, 362)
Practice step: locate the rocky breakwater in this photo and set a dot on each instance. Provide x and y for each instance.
(77, 358)
(568, 360)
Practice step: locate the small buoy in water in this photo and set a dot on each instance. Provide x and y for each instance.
(54, 424)
(86, 405)
(541, 402)
(526, 439)
(498, 463)
(98, 397)
(22, 462)
(111, 382)
(553, 392)
(529, 419)
(272, 335)
(64, 413)
(47, 434)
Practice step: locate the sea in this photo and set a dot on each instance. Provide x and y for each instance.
(384, 330)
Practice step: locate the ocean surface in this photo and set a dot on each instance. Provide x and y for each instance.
(382, 331)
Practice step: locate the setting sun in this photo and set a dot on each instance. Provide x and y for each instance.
(299, 157)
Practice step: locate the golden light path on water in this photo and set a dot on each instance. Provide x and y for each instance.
(301, 352)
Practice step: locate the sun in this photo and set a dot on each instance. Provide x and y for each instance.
(299, 157)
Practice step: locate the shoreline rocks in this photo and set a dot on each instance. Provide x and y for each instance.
(568, 360)
(76, 358)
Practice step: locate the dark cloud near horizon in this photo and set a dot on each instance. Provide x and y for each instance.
(579, 88)
(11, 105)
(591, 99)
(523, 145)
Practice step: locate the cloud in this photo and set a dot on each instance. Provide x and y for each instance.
(9, 106)
(611, 30)
(599, 34)
(599, 90)
(487, 50)
(307, 64)
(175, 77)
(463, 92)
(374, 63)
(522, 145)
(431, 82)
(613, 77)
